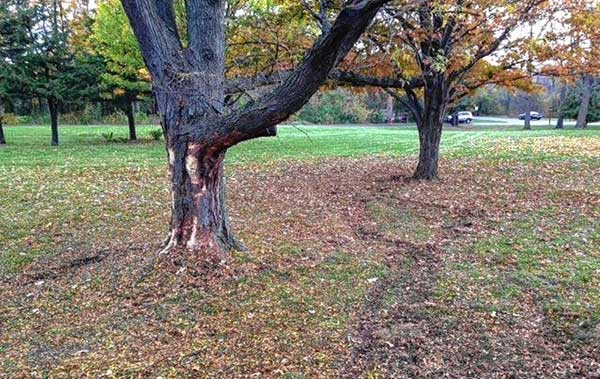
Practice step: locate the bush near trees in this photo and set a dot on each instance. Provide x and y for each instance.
(339, 107)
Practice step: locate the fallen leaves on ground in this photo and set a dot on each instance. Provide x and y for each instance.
(350, 273)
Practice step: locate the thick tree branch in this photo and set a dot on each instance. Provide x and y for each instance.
(244, 84)
(154, 31)
(206, 33)
(297, 89)
(358, 80)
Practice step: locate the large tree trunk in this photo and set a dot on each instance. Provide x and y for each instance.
(2, 139)
(199, 220)
(130, 120)
(584, 107)
(430, 124)
(190, 92)
(53, 106)
(430, 135)
(560, 123)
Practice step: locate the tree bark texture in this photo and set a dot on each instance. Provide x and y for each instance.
(430, 123)
(131, 120)
(189, 87)
(53, 106)
(560, 122)
(584, 106)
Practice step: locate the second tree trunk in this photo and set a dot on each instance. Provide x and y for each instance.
(584, 107)
(429, 153)
(430, 123)
(53, 106)
(131, 120)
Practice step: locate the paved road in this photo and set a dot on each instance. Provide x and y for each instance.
(508, 121)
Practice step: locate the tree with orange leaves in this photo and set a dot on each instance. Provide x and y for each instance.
(437, 52)
(573, 53)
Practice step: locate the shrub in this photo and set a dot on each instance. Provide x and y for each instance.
(336, 107)
(10, 119)
(109, 137)
(34, 119)
(156, 134)
(377, 117)
(116, 118)
(144, 118)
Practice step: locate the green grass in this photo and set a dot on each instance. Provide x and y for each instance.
(84, 146)
(52, 189)
(547, 253)
(314, 258)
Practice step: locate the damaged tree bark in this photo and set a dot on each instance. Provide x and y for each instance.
(190, 90)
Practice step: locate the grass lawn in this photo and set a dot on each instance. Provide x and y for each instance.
(353, 269)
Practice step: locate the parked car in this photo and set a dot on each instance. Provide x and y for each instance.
(463, 117)
(534, 116)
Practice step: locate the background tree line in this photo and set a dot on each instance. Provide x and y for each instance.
(83, 63)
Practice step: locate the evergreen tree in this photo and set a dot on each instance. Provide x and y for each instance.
(50, 68)
(126, 79)
(16, 18)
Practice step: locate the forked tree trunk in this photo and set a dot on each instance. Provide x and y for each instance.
(584, 107)
(189, 86)
(199, 220)
(53, 106)
(560, 123)
(131, 120)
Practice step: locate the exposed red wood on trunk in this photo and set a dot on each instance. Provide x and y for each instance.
(199, 215)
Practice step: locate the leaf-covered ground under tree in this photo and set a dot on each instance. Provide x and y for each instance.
(353, 269)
